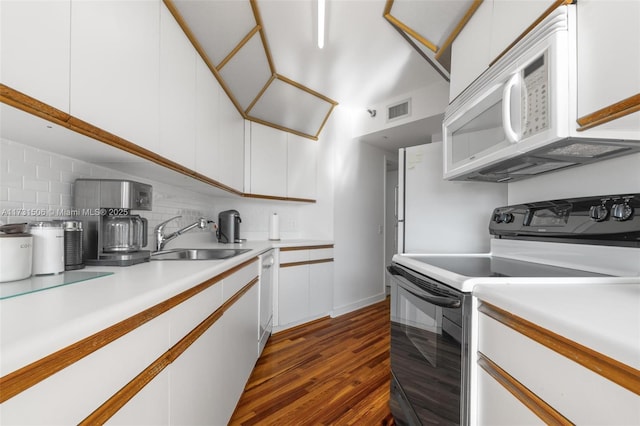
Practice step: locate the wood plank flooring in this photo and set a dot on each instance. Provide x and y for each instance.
(334, 371)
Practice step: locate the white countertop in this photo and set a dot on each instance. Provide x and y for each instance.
(603, 317)
(35, 325)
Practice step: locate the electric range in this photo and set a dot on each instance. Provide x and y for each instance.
(589, 240)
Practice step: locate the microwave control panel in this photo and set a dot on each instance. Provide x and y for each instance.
(534, 96)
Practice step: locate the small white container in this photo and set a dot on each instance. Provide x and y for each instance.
(15, 258)
(48, 248)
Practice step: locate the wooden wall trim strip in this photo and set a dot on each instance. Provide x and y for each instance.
(22, 379)
(539, 407)
(273, 197)
(609, 368)
(546, 13)
(120, 398)
(305, 262)
(295, 248)
(614, 111)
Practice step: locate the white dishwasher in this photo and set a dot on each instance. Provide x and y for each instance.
(267, 262)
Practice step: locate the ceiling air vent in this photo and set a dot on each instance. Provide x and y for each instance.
(399, 110)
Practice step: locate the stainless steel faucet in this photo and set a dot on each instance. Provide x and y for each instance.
(162, 239)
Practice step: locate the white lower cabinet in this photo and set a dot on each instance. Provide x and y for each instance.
(150, 406)
(305, 285)
(558, 385)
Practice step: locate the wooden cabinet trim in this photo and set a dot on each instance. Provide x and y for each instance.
(32, 374)
(120, 398)
(612, 112)
(323, 246)
(538, 406)
(305, 262)
(33, 106)
(609, 368)
(546, 13)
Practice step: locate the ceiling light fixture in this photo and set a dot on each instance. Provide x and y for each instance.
(321, 10)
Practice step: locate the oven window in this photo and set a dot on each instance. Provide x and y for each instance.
(426, 363)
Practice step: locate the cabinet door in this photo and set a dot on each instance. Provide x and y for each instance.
(35, 49)
(208, 124)
(177, 92)
(268, 161)
(320, 288)
(115, 67)
(150, 406)
(302, 166)
(231, 161)
(511, 19)
(470, 50)
(497, 406)
(609, 63)
(293, 294)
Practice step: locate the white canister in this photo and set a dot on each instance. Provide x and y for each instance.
(15, 258)
(48, 248)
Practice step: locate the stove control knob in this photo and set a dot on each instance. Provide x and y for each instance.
(507, 217)
(598, 213)
(621, 211)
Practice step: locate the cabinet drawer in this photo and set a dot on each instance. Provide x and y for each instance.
(290, 256)
(187, 315)
(579, 394)
(325, 253)
(233, 283)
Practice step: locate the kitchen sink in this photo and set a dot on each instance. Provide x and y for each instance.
(197, 254)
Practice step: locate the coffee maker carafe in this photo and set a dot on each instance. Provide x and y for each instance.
(113, 235)
(229, 226)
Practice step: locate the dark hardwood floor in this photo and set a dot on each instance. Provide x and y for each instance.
(334, 371)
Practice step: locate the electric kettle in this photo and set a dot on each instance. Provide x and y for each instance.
(229, 226)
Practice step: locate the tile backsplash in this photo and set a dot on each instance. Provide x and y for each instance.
(38, 185)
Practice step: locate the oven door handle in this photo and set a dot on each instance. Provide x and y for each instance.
(445, 302)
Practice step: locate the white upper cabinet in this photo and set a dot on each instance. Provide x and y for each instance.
(231, 143)
(268, 161)
(207, 161)
(115, 68)
(301, 167)
(511, 19)
(280, 164)
(35, 49)
(609, 64)
(470, 50)
(494, 26)
(177, 92)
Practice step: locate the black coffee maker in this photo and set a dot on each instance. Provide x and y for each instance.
(229, 226)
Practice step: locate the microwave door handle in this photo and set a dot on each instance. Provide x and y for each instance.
(511, 134)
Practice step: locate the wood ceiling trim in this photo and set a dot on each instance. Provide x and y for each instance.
(239, 46)
(203, 54)
(280, 127)
(265, 43)
(306, 89)
(257, 98)
(413, 33)
(458, 29)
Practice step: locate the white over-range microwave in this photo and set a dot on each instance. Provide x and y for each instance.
(518, 119)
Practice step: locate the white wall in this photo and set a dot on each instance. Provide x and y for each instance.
(358, 218)
(618, 175)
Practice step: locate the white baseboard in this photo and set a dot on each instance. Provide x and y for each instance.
(357, 305)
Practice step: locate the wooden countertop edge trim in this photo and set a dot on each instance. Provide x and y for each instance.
(609, 368)
(120, 398)
(609, 113)
(317, 247)
(305, 262)
(22, 379)
(538, 406)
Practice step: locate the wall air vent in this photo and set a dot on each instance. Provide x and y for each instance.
(399, 110)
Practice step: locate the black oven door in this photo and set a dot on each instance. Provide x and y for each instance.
(428, 363)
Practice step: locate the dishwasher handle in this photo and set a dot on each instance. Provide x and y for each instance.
(443, 301)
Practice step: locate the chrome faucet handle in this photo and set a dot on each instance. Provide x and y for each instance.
(163, 224)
